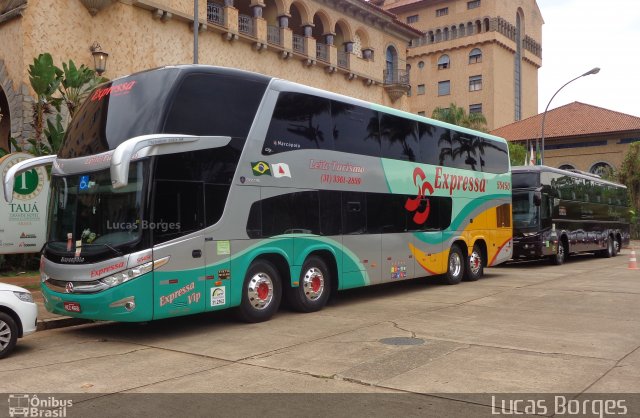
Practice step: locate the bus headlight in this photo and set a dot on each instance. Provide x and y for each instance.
(529, 234)
(132, 273)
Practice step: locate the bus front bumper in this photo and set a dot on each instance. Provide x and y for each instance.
(128, 302)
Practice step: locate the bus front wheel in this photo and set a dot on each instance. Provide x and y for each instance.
(261, 292)
(561, 255)
(455, 267)
(314, 286)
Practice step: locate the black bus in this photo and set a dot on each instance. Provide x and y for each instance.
(558, 212)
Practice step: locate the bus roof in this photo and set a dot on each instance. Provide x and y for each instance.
(547, 169)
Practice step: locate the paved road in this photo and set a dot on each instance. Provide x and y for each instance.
(523, 328)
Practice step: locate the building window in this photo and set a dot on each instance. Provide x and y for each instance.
(421, 65)
(475, 83)
(601, 169)
(475, 108)
(421, 113)
(442, 12)
(473, 4)
(475, 56)
(421, 89)
(443, 62)
(412, 19)
(444, 88)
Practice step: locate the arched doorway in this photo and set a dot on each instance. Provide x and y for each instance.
(5, 121)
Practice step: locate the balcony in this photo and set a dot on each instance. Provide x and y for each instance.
(273, 35)
(396, 83)
(245, 25)
(215, 13)
(298, 44)
(321, 52)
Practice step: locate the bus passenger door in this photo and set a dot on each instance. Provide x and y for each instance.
(178, 220)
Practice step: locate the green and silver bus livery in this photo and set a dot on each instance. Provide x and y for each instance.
(192, 188)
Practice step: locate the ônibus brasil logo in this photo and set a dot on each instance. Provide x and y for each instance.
(444, 181)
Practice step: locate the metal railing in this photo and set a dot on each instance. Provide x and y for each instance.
(273, 35)
(215, 13)
(343, 59)
(245, 25)
(396, 76)
(298, 43)
(321, 52)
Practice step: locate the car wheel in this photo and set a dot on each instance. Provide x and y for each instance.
(474, 268)
(8, 334)
(314, 286)
(261, 292)
(455, 267)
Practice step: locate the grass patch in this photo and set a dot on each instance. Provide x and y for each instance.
(15, 273)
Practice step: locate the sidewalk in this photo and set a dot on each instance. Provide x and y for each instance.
(46, 319)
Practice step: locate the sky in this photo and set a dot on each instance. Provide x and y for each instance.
(579, 35)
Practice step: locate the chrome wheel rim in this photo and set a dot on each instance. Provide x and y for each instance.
(260, 291)
(475, 262)
(561, 251)
(455, 264)
(616, 245)
(5, 335)
(313, 283)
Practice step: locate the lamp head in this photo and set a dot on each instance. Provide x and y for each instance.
(594, 70)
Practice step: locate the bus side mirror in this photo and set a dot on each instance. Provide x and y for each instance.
(537, 198)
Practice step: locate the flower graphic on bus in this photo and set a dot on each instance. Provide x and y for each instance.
(412, 205)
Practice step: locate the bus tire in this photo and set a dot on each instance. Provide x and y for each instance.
(8, 334)
(314, 286)
(611, 249)
(455, 266)
(261, 292)
(561, 255)
(474, 268)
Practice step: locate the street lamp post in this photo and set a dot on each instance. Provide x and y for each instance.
(594, 70)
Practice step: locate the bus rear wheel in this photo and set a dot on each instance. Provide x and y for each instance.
(455, 266)
(475, 265)
(610, 251)
(314, 286)
(261, 292)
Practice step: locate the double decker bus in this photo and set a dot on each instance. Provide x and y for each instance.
(558, 212)
(194, 188)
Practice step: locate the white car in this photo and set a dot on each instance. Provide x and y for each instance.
(18, 316)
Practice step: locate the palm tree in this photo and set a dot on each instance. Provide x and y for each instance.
(458, 116)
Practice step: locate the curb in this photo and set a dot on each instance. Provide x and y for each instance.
(62, 322)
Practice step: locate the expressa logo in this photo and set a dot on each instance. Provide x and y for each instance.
(115, 90)
(444, 181)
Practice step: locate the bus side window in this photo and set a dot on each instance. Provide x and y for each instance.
(354, 218)
(428, 144)
(299, 121)
(178, 209)
(399, 138)
(330, 214)
(355, 129)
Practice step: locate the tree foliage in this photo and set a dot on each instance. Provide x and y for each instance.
(53, 87)
(629, 173)
(517, 153)
(458, 116)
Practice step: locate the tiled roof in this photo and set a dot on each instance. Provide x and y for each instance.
(401, 3)
(574, 119)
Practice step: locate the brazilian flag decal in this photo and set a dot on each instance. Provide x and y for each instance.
(260, 168)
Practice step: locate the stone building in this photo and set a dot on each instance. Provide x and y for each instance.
(351, 47)
(482, 55)
(578, 136)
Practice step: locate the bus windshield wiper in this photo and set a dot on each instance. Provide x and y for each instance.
(115, 250)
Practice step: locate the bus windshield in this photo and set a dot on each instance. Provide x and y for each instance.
(525, 212)
(85, 211)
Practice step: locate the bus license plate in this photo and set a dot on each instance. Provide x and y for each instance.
(72, 307)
